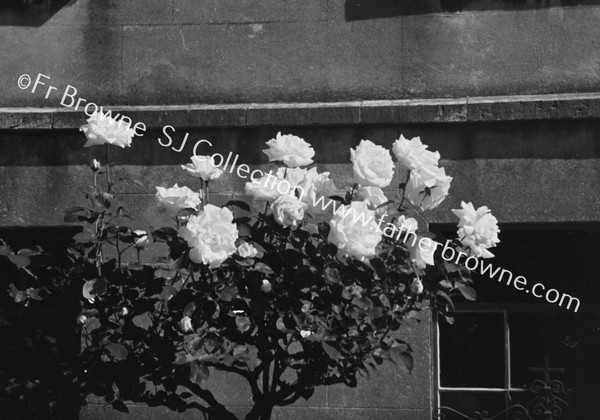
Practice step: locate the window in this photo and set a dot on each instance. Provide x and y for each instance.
(499, 348)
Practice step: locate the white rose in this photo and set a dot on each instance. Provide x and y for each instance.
(266, 286)
(427, 187)
(96, 166)
(247, 250)
(104, 129)
(357, 234)
(478, 229)
(211, 235)
(313, 187)
(408, 224)
(202, 167)
(416, 287)
(288, 210)
(305, 333)
(372, 165)
(185, 324)
(421, 253)
(412, 154)
(269, 187)
(289, 149)
(177, 198)
(140, 238)
(293, 175)
(374, 196)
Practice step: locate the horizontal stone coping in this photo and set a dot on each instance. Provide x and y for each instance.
(477, 109)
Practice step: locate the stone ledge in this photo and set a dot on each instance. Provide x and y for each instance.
(404, 111)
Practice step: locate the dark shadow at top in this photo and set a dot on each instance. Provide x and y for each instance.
(373, 9)
(29, 12)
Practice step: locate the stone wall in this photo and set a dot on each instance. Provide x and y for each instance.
(236, 51)
(528, 159)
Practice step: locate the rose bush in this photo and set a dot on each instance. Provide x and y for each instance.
(308, 292)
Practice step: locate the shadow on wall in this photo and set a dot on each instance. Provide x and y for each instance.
(29, 12)
(372, 9)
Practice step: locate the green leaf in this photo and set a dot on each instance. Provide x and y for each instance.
(468, 292)
(387, 203)
(16, 294)
(117, 351)
(183, 359)
(93, 288)
(28, 252)
(143, 321)
(120, 406)
(337, 198)
(332, 352)
(408, 360)
(198, 373)
(238, 203)
(384, 301)
(84, 237)
(446, 298)
(71, 216)
(133, 180)
(164, 234)
(5, 251)
(19, 260)
(186, 212)
(228, 293)
(243, 323)
(239, 349)
(263, 268)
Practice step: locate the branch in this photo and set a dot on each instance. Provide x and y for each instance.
(206, 395)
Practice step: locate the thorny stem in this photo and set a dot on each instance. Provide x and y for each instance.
(108, 184)
(206, 190)
(118, 252)
(202, 198)
(404, 190)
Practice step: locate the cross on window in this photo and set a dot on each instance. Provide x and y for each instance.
(546, 370)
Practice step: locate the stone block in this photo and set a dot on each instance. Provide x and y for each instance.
(21, 119)
(138, 411)
(89, 59)
(295, 413)
(391, 386)
(195, 63)
(249, 11)
(405, 111)
(524, 190)
(113, 13)
(189, 116)
(304, 114)
(38, 196)
(534, 107)
(520, 52)
(338, 60)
